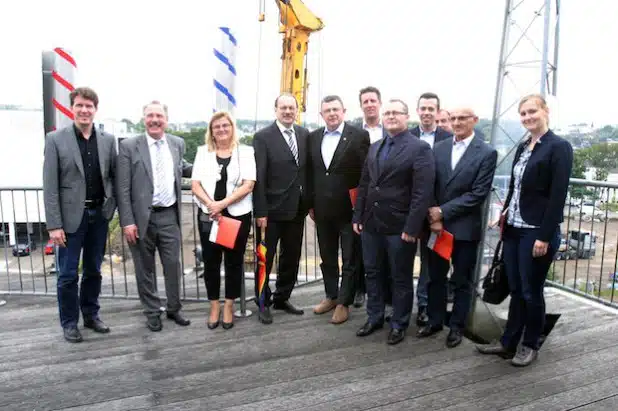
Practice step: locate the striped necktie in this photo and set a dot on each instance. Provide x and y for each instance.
(164, 196)
(292, 143)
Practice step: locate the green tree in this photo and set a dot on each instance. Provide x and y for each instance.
(193, 139)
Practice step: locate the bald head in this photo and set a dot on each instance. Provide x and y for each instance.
(463, 120)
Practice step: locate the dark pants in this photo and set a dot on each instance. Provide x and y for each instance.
(332, 235)
(234, 259)
(526, 276)
(91, 237)
(400, 257)
(289, 236)
(464, 261)
(359, 269)
(423, 278)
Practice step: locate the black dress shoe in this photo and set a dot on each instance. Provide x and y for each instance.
(368, 329)
(212, 326)
(454, 338)
(178, 319)
(96, 325)
(265, 316)
(422, 319)
(227, 326)
(72, 335)
(359, 299)
(154, 323)
(395, 336)
(428, 331)
(288, 308)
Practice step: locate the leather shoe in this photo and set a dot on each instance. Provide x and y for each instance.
(227, 326)
(212, 326)
(368, 329)
(96, 325)
(454, 338)
(72, 335)
(178, 319)
(154, 323)
(324, 306)
(428, 331)
(265, 316)
(340, 315)
(288, 308)
(422, 319)
(395, 336)
(359, 299)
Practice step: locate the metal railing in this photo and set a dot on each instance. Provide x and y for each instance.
(28, 266)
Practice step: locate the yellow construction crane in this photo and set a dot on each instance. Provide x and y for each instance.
(297, 22)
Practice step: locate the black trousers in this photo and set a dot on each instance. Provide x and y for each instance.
(234, 259)
(333, 235)
(289, 236)
(359, 273)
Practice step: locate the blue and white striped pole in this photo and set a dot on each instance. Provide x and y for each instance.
(225, 72)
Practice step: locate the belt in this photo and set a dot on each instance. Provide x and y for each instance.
(92, 203)
(156, 209)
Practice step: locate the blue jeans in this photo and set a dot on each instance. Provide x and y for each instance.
(90, 236)
(400, 257)
(526, 276)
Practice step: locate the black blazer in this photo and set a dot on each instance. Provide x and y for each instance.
(461, 192)
(544, 184)
(395, 198)
(330, 188)
(281, 184)
(441, 134)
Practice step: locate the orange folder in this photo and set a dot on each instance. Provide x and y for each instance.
(442, 244)
(353, 195)
(224, 231)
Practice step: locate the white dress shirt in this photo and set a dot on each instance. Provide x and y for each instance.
(459, 149)
(330, 141)
(282, 128)
(168, 177)
(375, 133)
(428, 136)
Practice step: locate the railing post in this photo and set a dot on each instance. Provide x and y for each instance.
(243, 312)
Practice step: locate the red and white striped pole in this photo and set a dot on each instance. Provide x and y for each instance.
(59, 70)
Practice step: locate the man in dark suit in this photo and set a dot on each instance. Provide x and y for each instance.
(281, 200)
(150, 168)
(427, 109)
(78, 192)
(465, 167)
(395, 190)
(337, 154)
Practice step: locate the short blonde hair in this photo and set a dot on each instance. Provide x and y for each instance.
(210, 139)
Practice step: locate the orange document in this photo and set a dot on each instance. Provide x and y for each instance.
(442, 244)
(353, 195)
(224, 231)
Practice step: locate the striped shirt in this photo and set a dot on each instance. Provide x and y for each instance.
(514, 215)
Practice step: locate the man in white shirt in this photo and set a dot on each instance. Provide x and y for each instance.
(465, 167)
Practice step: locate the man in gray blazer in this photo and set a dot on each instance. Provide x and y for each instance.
(465, 167)
(78, 192)
(150, 168)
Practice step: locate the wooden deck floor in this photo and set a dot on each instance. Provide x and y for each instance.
(298, 363)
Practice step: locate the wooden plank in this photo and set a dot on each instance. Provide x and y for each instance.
(606, 404)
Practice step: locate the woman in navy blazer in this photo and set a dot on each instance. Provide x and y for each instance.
(532, 213)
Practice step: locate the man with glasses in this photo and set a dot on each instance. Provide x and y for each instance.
(395, 190)
(427, 108)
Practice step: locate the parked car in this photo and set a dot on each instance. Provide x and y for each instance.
(50, 248)
(23, 248)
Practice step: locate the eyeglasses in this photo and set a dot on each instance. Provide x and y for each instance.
(394, 113)
(460, 118)
(222, 126)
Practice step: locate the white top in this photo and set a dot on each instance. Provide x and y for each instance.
(459, 149)
(168, 173)
(330, 141)
(241, 168)
(428, 137)
(375, 133)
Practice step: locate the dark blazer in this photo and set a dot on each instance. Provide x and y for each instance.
(395, 198)
(330, 188)
(281, 184)
(441, 134)
(544, 184)
(460, 193)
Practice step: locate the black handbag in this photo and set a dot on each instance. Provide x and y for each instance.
(496, 283)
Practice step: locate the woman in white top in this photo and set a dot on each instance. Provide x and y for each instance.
(223, 179)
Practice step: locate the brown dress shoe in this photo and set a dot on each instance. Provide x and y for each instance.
(325, 306)
(340, 315)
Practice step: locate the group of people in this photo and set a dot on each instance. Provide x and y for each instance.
(377, 192)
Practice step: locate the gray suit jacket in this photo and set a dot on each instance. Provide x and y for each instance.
(461, 192)
(134, 179)
(64, 181)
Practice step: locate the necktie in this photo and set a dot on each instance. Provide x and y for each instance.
(384, 152)
(292, 143)
(164, 195)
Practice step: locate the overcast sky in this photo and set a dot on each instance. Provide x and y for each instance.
(135, 51)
